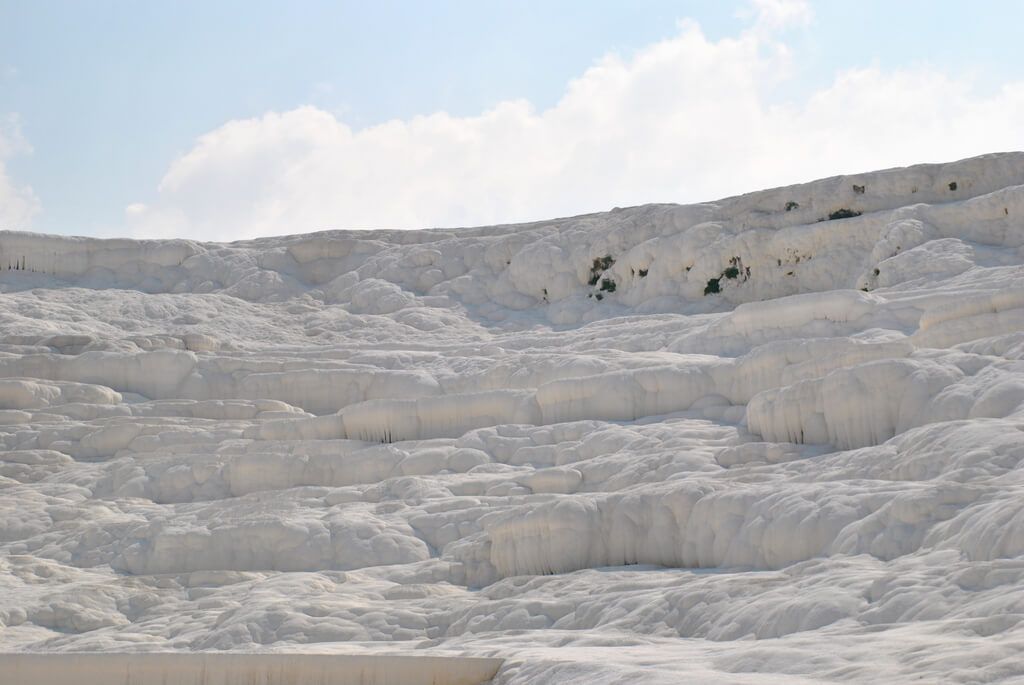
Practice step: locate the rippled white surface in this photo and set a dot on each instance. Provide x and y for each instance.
(724, 442)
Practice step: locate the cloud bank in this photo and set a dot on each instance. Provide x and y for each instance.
(684, 119)
(18, 204)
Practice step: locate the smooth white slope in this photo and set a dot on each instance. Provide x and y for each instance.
(569, 444)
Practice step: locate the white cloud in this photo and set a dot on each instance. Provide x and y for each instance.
(777, 14)
(18, 204)
(685, 119)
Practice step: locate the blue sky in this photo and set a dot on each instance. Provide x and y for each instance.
(228, 119)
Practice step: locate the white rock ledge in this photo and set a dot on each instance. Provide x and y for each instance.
(212, 668)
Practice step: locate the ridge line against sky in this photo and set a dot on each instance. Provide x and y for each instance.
(690, 109)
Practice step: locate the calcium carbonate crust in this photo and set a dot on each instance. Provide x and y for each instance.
(795, 416)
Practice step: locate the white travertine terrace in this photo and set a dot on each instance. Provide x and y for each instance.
(234, 668)
(774, 438)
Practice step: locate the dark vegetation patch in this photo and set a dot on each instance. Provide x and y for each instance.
(843, 214)
(597, 270)
(600, 265)
(735, 271)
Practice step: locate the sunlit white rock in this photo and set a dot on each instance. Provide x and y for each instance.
(794, 415)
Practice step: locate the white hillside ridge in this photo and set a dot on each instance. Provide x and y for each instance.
(794, 415)
(524, 260)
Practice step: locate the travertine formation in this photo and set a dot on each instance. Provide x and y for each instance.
(795, 416)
